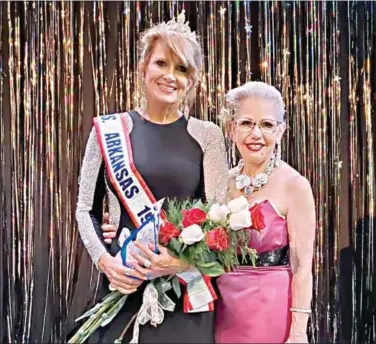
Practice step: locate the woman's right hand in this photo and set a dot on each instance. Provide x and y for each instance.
(118, 274)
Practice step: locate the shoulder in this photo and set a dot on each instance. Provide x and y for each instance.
(206, 127)
(297, 186)
(118, 116)
(206, 133)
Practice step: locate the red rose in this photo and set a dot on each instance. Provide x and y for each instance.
(257, 218)
(217, 239)
(194, 216)
(168, 231)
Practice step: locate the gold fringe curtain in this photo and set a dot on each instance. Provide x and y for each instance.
(61, 63)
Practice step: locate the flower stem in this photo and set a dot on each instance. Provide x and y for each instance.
(120, 339)
(96, 319)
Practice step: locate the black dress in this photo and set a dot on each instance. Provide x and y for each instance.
(170, 162)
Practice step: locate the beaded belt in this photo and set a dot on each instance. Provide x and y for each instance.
(278, 257)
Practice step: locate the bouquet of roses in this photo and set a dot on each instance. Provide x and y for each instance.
(209, 237)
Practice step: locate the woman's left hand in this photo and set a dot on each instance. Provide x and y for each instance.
(157, 265)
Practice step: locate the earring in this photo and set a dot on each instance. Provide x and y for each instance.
(277, 154)
(143, 101)
(186, 108)
(233, 154)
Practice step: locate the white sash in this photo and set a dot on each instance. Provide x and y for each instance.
(115, 145)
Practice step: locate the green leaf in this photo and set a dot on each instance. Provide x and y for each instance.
(213, 271)
(198, 204)
(184, 248)
(252, 253)
(206, 265)
(158, 285)
(175, 245)
(176, 286)
(173, 212)
(211, 256)
(169, 278)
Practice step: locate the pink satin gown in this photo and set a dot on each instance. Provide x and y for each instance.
(254, 304)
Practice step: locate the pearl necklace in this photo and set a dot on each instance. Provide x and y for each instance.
(247, 184)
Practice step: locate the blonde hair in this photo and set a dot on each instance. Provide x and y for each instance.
(252, 89)
(184, 44)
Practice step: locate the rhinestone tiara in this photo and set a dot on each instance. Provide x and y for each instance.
(178, 25)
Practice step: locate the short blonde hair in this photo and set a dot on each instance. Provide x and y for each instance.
(188, 49)
(253, 89)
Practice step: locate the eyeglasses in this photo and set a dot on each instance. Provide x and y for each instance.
(266, 126)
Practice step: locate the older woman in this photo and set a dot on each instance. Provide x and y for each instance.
(269, 303)
(153, 152)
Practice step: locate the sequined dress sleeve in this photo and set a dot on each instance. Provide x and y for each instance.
(90, 199)
(215, 167)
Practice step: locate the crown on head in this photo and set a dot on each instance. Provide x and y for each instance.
(179, 25)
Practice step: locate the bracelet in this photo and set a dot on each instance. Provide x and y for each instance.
(300, 310)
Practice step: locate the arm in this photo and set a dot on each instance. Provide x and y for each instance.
(90, 198)
(96, 213)
(301, 227)
(215, 165)
(89, 219)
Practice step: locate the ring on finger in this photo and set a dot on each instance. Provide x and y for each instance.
(128, 271)
(147, 263)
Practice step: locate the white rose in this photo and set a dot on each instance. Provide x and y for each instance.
(218, 213)
(192, 234)
(240, 220)
(238, 204)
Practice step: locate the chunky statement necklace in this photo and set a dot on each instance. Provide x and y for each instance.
(247, 184)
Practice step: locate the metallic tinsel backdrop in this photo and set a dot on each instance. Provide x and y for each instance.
(61, 63)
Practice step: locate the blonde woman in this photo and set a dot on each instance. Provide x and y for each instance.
(155, 151)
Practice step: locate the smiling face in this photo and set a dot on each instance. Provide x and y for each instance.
(167, 79)
(256, 142)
